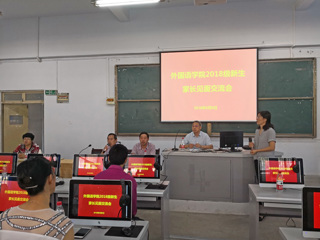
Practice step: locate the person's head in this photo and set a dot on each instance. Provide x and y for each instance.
(27, 139)
(144, 138)
(35, 175)
(196, 127)
(118, 154)
(264, 120)
(112, 139)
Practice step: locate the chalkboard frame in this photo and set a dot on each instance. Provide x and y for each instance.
(208, 126)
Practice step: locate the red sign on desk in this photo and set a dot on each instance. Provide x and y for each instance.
(6, 160)
(142, 166)
(272, 168)
(11, 195)
(99, 200)
(90, 166)
(316, 207)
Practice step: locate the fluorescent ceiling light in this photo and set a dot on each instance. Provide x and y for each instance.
(112, 3)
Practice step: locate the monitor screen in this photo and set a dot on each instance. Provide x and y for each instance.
(144, 168)
(97, 202)
(10, 160)
(311, 212)
(231, 139)
(54, 158)
(87, 165)
(214, 85)
(291, 169)
(11, 194)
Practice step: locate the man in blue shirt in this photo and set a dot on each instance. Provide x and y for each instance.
(197, 138)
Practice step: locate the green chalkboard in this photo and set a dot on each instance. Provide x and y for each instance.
(285, 88)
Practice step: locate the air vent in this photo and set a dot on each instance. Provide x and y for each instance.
(208, 2)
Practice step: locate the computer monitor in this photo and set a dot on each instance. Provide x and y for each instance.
(311, 212)
(291, 169)
(54, 158)
(9, 159)
(87, 165)
(144, 168)
(97, 202)
(11, 194)
(231, 139)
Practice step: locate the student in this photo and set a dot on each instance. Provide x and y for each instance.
(144, 147)
(28, 146)
(197, 138)
(265, 138)
(118, 157)
(112, 140)
(38, 179)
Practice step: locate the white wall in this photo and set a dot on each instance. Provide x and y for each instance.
(67, 45)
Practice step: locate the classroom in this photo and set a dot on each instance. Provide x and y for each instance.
(73, 47)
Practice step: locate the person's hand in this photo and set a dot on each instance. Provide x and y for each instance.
(253, 151)
(106, 147)
(198, 145)
(22, 156)
(251, 145)
(190, 145)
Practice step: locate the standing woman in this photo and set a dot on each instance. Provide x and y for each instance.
(264, 140)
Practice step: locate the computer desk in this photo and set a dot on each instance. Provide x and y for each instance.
(292, 234)
(99, 233)
(283, 204)
(62, 191)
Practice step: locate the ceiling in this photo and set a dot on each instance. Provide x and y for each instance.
(11, 9)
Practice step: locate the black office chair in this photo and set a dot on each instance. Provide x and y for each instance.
(158, 151)
(96, 151)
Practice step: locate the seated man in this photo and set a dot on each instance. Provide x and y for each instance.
(144, 147)
(112, 140)
(28, 146)
(197, 138)
(118, 157)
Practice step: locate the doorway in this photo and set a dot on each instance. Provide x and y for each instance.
(21, 112)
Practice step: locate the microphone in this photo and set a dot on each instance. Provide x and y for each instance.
(175, 141)
(85, 148)
(250, 141)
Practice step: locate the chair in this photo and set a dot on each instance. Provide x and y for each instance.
(96, 151)
(158, 151)
(15, 235)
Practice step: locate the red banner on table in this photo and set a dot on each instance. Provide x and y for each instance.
(11, 195)
(90, 166)
(272, 168)
(6, 160)
(141, 166)
(316, 209)
(99, 200)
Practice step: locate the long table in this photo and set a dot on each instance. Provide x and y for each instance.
(209, 176)
(143, 195)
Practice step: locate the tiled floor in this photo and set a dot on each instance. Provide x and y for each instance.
(213, 226)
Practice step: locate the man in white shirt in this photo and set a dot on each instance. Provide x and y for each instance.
(197, 138)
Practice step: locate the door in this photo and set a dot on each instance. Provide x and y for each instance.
(15, 124)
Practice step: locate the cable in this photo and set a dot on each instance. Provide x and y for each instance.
(294, 224)
(119, 212)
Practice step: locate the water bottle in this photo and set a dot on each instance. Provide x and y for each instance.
(182, 143)
(279, 183)
(60, 207)
(4, 172)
